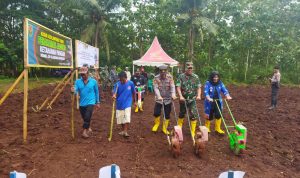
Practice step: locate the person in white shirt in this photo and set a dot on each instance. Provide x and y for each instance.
(128, 73)
(275, 80)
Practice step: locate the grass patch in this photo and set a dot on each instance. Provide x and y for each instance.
(33, 83)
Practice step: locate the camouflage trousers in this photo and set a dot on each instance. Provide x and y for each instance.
(191, 106)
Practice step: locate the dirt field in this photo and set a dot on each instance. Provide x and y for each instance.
(273, 147)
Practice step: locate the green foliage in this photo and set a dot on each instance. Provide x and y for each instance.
(242, 39)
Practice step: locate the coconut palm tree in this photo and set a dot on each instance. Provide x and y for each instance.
(189, 16)
(96, 12)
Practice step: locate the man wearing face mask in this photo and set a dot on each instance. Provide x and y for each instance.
(139, 81)
(189, 90)
(164, 89)
(212, 92)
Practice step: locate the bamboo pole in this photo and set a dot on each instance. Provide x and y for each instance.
(25, 105)
(11, 88)
(52, 93)
(59, 91)
(72, 110)
(77, 96)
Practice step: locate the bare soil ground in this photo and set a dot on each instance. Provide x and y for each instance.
(273, 147)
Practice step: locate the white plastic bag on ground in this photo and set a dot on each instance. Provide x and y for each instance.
(111, 171)
(232, 174)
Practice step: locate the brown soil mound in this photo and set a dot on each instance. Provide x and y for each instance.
(272, 148)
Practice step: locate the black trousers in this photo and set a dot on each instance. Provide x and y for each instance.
(274, 95)
(214, 111)
(86, 114)
(158, 107)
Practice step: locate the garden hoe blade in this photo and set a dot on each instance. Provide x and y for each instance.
(176, 137)
(201, 137)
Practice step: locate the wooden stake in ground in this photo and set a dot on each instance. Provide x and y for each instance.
(53, 92)
(11, 88)
(60, 90)
(72, 111)
(25, 105)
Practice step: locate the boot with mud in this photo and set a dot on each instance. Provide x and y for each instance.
(207, 125)
(141, 108)
(165, 127)
(136, 109)
(156, 124)
(180, 122)
(193, 127)
(218, 127)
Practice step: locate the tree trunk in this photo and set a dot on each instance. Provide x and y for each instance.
(190, 45)
(247, 61)
(97, 34)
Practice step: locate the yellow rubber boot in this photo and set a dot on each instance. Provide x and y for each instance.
(165, 127)
(207, 125)
(136, 108)
(141, 108)
(218, 126)
(156, 124)
(180, 122)
(193, 127)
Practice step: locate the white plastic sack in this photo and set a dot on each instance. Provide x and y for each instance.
(16, 174)
(111, 171)
(232, 174)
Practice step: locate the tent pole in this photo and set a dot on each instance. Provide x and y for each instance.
(132, 69)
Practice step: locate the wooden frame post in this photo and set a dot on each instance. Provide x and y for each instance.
(11, 88)
(60, 90)
(53, 92)
(25, 105)
(72, 109)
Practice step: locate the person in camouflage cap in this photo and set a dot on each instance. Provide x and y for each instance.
(188, 88)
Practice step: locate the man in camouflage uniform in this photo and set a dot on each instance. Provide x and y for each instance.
(188, 88)
(164, 89)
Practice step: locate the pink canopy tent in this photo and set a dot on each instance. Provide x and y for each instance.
(155, 56)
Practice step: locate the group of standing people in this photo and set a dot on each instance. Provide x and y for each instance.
(128, 89)
(188, 87)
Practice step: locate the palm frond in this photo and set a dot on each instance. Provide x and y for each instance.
(83, 13)
(206, 23)
(88, 33)
(183, 17)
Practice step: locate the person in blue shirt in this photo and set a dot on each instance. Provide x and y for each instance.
(87, 88)
(212, 92)
(124, 92)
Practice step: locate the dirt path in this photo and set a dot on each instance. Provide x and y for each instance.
(273, 148)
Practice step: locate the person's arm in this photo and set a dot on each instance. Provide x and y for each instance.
(206, 92)
(173, 92)
(199, 89)
(225, 91)
(75, 88)
(156, 90)
(115, 91)
(97, 92)
(275, 78)
(178, 88)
